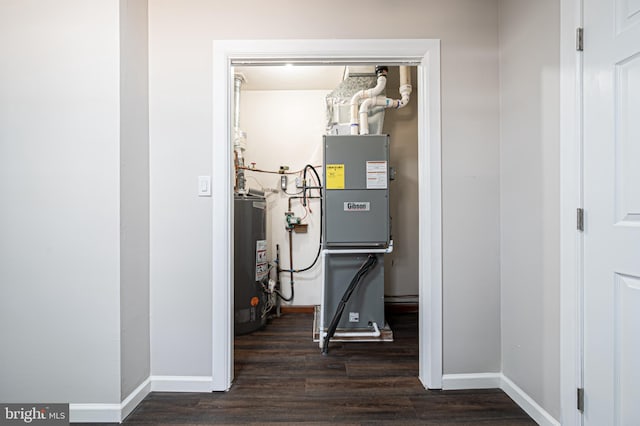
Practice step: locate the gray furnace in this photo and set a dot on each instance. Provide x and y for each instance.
(356, 230)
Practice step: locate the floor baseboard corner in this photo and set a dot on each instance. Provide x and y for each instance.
(109, 413)
(135, 397)
(531, 407)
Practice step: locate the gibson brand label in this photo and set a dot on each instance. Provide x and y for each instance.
(357, 206)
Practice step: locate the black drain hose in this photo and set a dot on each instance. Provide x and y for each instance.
(371, 261)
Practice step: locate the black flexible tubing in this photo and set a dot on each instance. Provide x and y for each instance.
(315, 260)
(291, 282)
(364, 269)
(291, 271)
(281, 296)
(319, 247)
(278, 270)
(276, 290)
(304, 179)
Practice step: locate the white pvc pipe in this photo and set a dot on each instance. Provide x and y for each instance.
(364, 115)
(405, 92)
(405, 86)
(364, 110)
(375, 333)
(364, 94)
(405, 76)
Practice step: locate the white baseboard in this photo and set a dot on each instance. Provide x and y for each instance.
(537, 413)
(499, 380)
(471, 381)
(95, 413)
(181, 384)
(109, 413)
(116, 413)
(135, 398)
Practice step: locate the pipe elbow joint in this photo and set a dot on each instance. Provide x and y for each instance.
(405, 88)
(366, 105)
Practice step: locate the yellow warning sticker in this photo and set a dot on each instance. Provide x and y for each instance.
(335, 176)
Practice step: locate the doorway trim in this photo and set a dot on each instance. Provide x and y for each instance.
(571, 240)
(425, 53)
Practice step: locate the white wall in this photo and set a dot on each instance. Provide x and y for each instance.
(529, 194)
(295, 141)
(401, 266)
(74, 184)
(134, 192)
(181, 35)
(59, 192)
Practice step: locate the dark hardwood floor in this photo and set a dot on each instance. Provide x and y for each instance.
(281, 378)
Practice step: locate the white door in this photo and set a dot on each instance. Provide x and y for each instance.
(612, 212)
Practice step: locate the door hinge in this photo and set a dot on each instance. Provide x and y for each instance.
(579, 39)
(580, 400)
(580, 219)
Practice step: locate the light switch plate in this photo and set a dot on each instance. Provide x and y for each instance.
(204, 186)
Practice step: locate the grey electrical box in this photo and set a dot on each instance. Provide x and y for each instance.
(366, 304)
(356, 197)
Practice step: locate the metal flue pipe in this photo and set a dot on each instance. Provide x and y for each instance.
(239, 137)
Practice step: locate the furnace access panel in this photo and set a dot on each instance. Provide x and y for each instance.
(356, 198)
